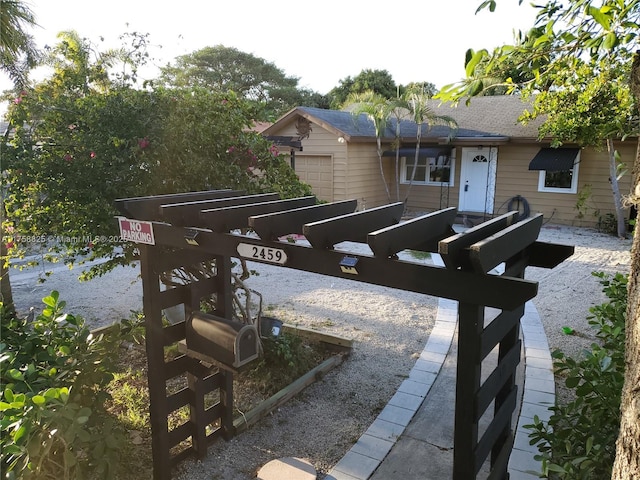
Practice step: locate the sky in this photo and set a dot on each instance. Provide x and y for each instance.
(319, 42)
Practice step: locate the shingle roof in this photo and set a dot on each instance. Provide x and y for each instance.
(494, 114)
(489, 118)
(362, 126)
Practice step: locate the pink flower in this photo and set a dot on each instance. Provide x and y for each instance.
(68, 157)
(10, 245)
(231, 149)
(143, 143)
(274, 150)
(17, 100)
(92, 155)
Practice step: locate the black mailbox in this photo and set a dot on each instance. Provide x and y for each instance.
(232, 344)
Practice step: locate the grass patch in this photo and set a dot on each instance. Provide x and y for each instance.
(285, 359)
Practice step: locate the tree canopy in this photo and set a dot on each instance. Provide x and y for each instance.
(80, 141)
(221, 69)
(566, 38)
(18, 52)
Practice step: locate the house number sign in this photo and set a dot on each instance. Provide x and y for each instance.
(264, 254)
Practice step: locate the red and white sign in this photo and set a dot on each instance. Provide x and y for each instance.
(136, 231)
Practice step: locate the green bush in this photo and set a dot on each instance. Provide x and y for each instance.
(578, 441)
(52, 395)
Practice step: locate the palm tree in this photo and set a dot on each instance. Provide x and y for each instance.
(422, 114)
(375, 107)
(18, 53)
(398, 109)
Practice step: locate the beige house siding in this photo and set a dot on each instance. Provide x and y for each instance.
(365, 182)
(515, 178)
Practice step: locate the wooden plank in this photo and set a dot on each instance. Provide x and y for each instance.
(498, 328)
(173, 296)
(273, 402)
(497, 379)
(180, 433)
(421, 233)
(549, 255)
(230, 218)
(187, 214)
(270, 226)
(468, 377)
(499, 247)
(166, 263)
(404, 275)
(160, 445)
(177, 366)
(453, 250)
(500, 422)
(317, 336)
(212, 413)
(173, 333)
(148, 208)
(501, 463)
(178, 399)
(353, 226)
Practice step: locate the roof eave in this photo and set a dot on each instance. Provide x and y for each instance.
(493, 140)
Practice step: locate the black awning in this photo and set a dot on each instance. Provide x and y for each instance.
(423, 152)
(281, 141)
(554, 159)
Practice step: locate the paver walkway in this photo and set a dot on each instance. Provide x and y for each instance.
(412, 438)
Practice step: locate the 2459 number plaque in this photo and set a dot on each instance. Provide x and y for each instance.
(264, 254)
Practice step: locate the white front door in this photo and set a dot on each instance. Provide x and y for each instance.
(477, 179)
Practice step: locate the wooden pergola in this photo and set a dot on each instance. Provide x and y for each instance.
(175, 231)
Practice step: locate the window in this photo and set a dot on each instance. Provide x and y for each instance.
(560, 181)
(428, 171)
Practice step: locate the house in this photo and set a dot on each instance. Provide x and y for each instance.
(491, 165)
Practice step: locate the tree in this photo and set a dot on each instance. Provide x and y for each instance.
(593, 108)
(223, 68)
(425, 88)
(81, 141)
(376, 81)
(17, 55)
(422, 114)
(375, 107)
(564, 36)
(18, 52)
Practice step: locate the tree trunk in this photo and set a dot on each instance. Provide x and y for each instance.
(615, 188)
(6, 294)
(415, 164)
(627, 462)
(384, 179)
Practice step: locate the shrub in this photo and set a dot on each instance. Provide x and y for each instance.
(578, 441)
(52, 396)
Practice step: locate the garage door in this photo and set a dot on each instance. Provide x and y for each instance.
(317, 171)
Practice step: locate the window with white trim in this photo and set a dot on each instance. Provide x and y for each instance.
(428, 171)
(561, 181)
